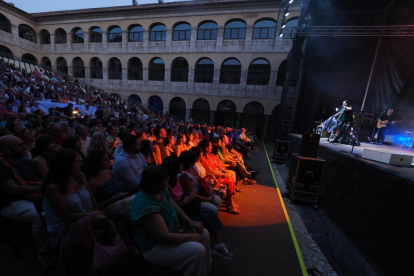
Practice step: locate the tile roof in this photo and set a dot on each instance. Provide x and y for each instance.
(143, 7)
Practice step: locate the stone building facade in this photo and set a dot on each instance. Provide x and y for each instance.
(159, 54)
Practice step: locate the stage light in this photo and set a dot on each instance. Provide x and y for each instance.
(281, 34)
(283, 25)
(336, 109)
(287, 11)
(291, 1)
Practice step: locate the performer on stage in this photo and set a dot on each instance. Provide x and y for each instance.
(344, 119)
(382, 126)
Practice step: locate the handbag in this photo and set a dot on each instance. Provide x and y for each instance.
(105, 255)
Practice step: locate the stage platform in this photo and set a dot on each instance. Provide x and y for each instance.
(372, 202)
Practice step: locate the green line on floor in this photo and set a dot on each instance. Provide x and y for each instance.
(295, 242)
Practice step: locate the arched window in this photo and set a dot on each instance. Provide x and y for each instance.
(29, 58)
(158, 32)
(204, 71)
(78, 36)
(46, 64)
(135, 69)
(264, 29)
(78, 68)
(230, 71)
(292, 22)
(60, 36)
(6, 52)
(95, 35)
(156, 70)
(136, 33)
(62, 65)
(179, 70)
(207, 31)
(27, 32)
(114, 69)
(4, 24)
(114, 34)
(281, 73)
(235, 30)
(259, 72)
(182, 31)
(44, 37)
(96, 68)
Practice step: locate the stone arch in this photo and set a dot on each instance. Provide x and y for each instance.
(200, 111)
(156, 103)
(5, 24)
(62, 65)
(29, 58)
(226, 113)
(6, 51)
(253, 118)
(177, 108)
(135, 99)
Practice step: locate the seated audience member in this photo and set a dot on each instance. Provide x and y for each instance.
(112, 138)
(55, 131)
(4, 131)
(216, 168)
(13, 124)
(160, 134)
(106, 189)
(17, 181)
(74, 143)
(85, 140)
(155, 219)
(189, 140)
(28, 139)
(68, 201)
(98, 142)
(129, 164)
(148, 151)
(65, 128)
(169, 143)
(45, 148)
(191, 204)
(180, 144)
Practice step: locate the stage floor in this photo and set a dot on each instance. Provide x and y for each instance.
(404, 171)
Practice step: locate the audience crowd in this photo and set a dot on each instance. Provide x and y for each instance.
(88, 170)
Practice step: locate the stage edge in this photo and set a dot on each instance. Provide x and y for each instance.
(295, 242)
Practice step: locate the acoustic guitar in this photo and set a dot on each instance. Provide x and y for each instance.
(381, 125)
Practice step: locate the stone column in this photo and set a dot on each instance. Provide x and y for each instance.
(271, 88)
(70, 71)
(52, 43)
(145, 40)
(124, 78)
(243, 82)
(216, 81)
(88, 74)
(38, 43)
(104, 76)
(187, 114)
(266, 127)
(211, 119)
(220, 36)
(104, 41)
(124, 42)
(69, 42)
(193, 42)
(248, 38)
(86, 42)
(168, 40)
(190, 84)
(145, 78)
(167, 80)
(238, 119)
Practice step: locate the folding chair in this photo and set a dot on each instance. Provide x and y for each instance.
(38, 204)
(129, 229)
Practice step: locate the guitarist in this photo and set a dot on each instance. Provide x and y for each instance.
(344, 119)
(382, 126)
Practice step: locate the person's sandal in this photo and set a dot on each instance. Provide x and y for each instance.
(231, 210)
(239, 190)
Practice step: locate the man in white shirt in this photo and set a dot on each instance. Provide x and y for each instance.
(85, 140)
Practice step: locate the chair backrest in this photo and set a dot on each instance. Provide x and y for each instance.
(38, 204)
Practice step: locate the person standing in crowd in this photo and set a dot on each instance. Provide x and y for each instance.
(129, 164)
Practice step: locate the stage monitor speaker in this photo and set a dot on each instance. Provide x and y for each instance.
(309, 145)
(388, 157)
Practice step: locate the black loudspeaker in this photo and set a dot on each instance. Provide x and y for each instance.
(309, 145)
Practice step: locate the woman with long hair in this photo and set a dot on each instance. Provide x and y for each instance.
(189, 140)
(68, 202)
(169, 143)
(104, 187)
(98, 142)
(148, 150)
(180, 145)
